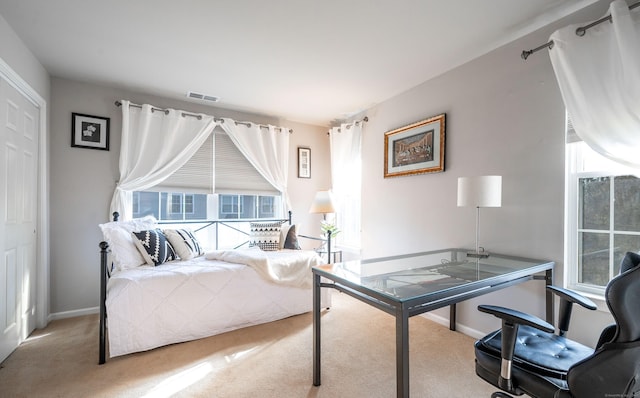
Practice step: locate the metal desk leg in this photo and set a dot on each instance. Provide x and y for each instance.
(548, 280)
(316, 329)
(452, 317)
(402, 352)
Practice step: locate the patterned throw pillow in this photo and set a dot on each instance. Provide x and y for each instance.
(265, 235)
(184, 242)
(154, 246)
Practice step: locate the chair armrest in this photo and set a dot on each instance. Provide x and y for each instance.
(516, 317)
(567, 298)
(511, 319)
(573, 297)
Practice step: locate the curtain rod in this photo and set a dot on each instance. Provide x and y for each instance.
(580, 32)
(217, 120)
(348, 126)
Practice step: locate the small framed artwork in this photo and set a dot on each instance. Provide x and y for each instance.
(304, 162)
(415, 149)
(89, 131)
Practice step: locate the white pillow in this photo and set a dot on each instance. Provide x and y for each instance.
(184, 242)
(117, 234)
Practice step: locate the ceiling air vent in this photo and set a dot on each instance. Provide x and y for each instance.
(202, 97)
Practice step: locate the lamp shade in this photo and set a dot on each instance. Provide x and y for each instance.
(322, 203)
(481, 191)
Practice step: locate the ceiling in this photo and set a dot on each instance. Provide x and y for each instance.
(315, 62)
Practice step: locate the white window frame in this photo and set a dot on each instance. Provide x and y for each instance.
(583, 162)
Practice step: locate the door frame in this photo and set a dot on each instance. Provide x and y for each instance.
(42, 250)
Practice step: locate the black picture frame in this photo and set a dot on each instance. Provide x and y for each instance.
(304, 162)
(91, 132)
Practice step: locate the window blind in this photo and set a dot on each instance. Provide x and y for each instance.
(194, 176)
(229, 168)
(234, 173)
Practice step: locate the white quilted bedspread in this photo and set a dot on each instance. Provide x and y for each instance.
(148, 307)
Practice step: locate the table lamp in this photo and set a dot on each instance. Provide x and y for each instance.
(481, 191)
(323, 203)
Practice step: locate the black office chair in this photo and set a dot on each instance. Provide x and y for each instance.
(526, 357)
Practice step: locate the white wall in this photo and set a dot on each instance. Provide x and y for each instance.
(505, 116)
(83, 180)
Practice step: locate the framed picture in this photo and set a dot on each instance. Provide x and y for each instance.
(89, 131)
(304, 163)
(415, 149)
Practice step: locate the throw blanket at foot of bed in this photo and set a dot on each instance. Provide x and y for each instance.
(287, 267)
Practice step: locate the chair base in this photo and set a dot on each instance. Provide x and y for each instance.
(499, 394)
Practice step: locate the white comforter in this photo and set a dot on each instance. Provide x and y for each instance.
(148, 307)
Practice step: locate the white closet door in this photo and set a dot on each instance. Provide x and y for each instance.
(18, 216)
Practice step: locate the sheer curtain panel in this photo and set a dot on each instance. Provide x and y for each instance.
(599, 78)
(346, 179)
(154, 145)
(267, 149)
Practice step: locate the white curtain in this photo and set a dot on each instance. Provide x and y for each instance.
(267, 149)
(346, 178)
(154, 145)
(599, 78)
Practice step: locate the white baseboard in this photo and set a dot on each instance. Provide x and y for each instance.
(74, 313)
(459, 328)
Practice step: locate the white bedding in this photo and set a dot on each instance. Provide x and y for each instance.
(287, 267)
(148, 307)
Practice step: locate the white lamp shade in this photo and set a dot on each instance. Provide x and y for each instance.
(481, 191)
(322, 203)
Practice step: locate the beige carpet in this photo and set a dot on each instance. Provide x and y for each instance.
(271, 360)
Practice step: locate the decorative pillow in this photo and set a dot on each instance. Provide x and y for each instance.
(284, 230)
(290, 239)
(154, 246)
(117, 234)
(265, 235)
(184, 242)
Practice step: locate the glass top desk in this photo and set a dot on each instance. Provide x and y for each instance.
(412, 284)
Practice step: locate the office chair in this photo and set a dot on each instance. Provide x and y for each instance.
(526, 357)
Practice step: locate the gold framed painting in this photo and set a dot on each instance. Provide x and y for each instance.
(416, 148)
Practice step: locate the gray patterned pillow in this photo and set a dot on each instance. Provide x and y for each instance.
(154, 246)
(265, 235)
(184, 242)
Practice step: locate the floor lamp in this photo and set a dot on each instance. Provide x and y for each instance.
(482, 191)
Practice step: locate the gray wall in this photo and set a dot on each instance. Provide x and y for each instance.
(83, 180)
(505, 116)
(22, 61)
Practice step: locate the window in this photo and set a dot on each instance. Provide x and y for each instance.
(175, 203)
(190, 194)
(171, 205)
(248, 207)
(603, 221)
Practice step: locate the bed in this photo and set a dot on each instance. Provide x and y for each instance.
(151, 297)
